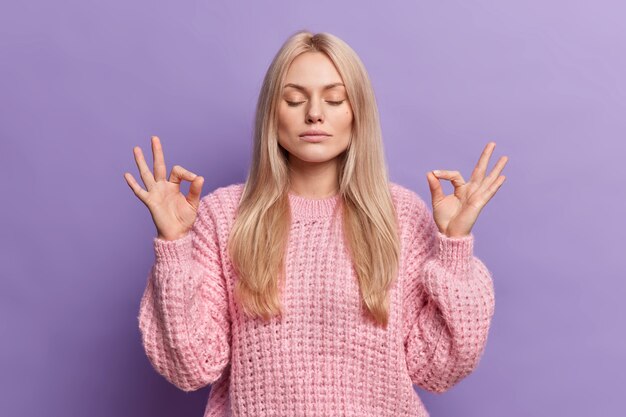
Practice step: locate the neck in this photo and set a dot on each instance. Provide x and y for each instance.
(314, 179)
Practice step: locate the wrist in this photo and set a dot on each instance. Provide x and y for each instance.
(172, 237)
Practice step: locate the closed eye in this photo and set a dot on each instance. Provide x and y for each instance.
(332, 103)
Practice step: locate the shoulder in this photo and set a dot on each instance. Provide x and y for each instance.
(220, 205)
(226, 195)
(406, 200)
(412, 211)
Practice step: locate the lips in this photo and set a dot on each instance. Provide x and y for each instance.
(314, 138)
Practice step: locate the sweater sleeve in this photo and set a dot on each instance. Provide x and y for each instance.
(183, 315)
(450, 304)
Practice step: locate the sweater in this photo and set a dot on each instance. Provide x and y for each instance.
(325, 356)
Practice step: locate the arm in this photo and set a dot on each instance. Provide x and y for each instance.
(450, 303)
(183, 315)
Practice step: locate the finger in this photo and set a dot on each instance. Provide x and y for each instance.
(134, 185)
(159, 160)
(195, 189)
(453, 176)
(493, 188)
(481, 167)
(435, 188)
(144, 170)
(179, 173)
(497, 169)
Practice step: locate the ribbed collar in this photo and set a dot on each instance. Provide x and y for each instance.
(303, 207)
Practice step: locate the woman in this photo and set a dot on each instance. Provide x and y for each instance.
(317, 287)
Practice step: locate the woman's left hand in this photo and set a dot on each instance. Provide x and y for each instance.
(455, 214)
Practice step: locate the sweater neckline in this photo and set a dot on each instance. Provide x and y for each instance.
(312, 207)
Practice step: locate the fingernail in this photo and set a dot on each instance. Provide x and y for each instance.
(436, 172)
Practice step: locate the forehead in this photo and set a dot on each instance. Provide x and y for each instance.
(312, 71)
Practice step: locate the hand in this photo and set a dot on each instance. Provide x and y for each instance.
(172, 212)
(455, 214)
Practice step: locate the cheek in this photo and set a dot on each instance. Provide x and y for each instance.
(282, 120)
(288, 115)
(346, 117)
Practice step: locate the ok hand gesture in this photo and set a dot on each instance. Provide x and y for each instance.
(172, 212)
(455, 214)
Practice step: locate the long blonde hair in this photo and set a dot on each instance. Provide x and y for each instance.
(260, 232)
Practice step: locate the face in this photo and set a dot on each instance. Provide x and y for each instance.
(314, 98)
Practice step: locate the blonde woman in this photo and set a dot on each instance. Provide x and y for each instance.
(317, 287)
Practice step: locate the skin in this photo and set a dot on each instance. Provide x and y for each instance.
(456, 214)
(173, 213)
(314, 166)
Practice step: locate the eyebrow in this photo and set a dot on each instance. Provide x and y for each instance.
(299, 87)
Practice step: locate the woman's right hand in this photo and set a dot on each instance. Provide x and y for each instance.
(172, 212)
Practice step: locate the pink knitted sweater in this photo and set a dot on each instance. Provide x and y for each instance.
(325, 357)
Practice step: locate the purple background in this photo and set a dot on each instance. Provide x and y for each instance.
(82, 82)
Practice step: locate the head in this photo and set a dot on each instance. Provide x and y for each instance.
(313, 97)
(315, 61)
(293, 99)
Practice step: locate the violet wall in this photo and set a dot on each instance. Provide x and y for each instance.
(82, 82)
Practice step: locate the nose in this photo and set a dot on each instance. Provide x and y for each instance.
(314, 112)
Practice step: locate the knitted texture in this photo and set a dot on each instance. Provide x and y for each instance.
(325, 356)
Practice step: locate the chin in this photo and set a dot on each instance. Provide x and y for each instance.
(315, 158)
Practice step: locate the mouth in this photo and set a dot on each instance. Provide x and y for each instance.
(314, 138)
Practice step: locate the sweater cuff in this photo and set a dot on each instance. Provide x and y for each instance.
(455, 253)
(173, 252)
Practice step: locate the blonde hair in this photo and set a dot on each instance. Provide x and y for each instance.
(260, 232)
